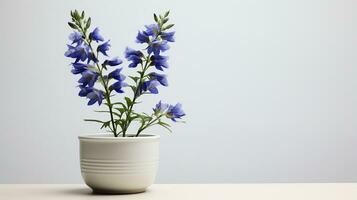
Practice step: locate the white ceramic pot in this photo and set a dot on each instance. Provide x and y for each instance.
(119, 164)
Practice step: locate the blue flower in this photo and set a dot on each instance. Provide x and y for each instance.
(118, 86)
(78, 68)
(94, 35)
(84, 91)
(168, 36)
(80, 52)
(116, 75)
(159, 77)
(150, 86)
(76, 37)
(94, 95)
(175, 112)
(103, 48)
(88, 78)
(113, 62)
(152, 30)
(142, 37)
(160, 108)
(159, 62)
(133, 56)
(157, 46)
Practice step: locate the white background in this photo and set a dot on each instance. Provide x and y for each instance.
(269, 88)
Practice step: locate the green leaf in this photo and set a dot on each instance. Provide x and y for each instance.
(165, 20)
(169, 26)
(165, 125)
(134, 78)
(133, 88)
(121, 110)
(167, 13)
(155, 18)
(72, 25)
(93, 120)
(76, 15)
(128, 101)
(88, 23)
(105, 125)
(82, 15)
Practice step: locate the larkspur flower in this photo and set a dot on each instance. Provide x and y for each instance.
(88, 78)
(94, 95)
(116, 75)
(151, 86)
(79, 68)
(160, 108)
(76, 37)
(84, 91)
(159, 62)
(152, 30)
(159, 77)
(133, 56)
(79, 52)
(94, 35)
(113, 62)
(118, 86)
(142, 37)
(103, 48)
(168, 36)
(175, 112)
(158, 46)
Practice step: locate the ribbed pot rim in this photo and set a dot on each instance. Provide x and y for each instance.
(110, 137)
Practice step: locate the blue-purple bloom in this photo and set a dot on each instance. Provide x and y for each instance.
(142, 37)
(133, 56)
(118, 86)
(175, 112)
(76, 37)
(159, 77)
(80, 52)
(79, 68)
(116, 75)
(113, 62)
(151, 86)
(88, 78)
(103, 48)
(160, 108)
(152, 30)
(94, 95)
(159, 62)
(94, 35)
(168, 36)
(158, 46)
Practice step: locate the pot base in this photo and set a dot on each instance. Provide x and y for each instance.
(101, 191)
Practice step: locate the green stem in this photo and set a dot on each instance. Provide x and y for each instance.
(105, 85)
(147, 125)
(130, 109)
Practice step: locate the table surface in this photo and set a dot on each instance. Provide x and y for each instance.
(288, 191)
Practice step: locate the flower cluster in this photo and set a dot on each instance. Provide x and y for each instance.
(172, 112)
(98, 83)
(86, 60)
(156, 37)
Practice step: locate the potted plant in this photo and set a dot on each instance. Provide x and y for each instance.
(121, 161)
